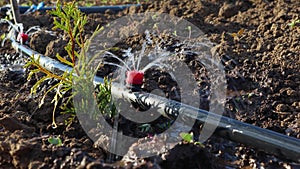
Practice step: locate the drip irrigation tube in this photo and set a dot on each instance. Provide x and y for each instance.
(87, 10)
(262, 139)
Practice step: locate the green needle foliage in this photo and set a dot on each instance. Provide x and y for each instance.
(71, 20)
(105, 102)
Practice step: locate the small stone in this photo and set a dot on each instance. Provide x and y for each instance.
(291, 93)
(296, 106)
(282, 108)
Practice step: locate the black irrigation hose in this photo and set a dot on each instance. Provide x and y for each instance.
(87, 10)
(263, 139)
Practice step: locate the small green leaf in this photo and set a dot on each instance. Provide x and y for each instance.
(250, 95)
(200, 144)
(3, 36)
(293, 23)
(186, 137)
(189, 28)
(145, 127)
(55, 141)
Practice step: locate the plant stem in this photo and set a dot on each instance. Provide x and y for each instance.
(15, 10)
(72, 47)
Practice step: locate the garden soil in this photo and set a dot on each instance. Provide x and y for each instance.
(260, 52)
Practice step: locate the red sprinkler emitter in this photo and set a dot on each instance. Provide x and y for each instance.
(134, 79)
(22, 37)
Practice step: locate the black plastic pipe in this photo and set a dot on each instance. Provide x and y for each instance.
(262, 139)
(87, 10)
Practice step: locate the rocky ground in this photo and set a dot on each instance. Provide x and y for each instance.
(261, 55)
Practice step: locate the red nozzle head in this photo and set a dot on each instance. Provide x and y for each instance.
(134, 77)
(22, 37)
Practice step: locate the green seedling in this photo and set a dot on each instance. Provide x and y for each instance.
(146, 127)
(189, 28)
(175, 33)
(294, 23)
(250, 95)
(55, 141)
(3, 36)
(189, 138)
